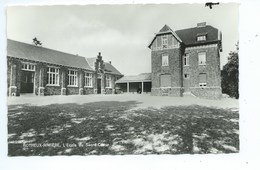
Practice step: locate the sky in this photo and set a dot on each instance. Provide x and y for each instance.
(121, 33)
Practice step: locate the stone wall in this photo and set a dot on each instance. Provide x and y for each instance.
(171, 91)
(88, 90)
(52, 90)
(207, 92)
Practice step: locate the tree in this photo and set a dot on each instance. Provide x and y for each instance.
(230, 75)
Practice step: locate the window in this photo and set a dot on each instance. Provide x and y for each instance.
(117, 78)
(202, 58)
(108, 81)
(164, 41)
(165, 80)
(28, 67)
(186, 60)
(186, 76)
(88, 79)
(72, 78)
(165, 60)
(202, 80)
(201, 38)
(53, 76)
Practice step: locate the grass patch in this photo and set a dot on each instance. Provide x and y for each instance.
(102, 128)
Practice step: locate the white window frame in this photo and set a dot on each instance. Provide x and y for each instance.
(165, 60)
(53, 76)
(28, 67)
(108, 81)
(186, 59)
(199, 58)
(88, 79)
(201, 38)
(73, 78)
(164, 41)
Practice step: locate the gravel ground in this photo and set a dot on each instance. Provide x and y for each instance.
(144, 101)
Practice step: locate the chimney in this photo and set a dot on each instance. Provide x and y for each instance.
(201, 24)
(109, 62)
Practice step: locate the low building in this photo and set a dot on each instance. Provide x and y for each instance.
(42, 71)
(134, 84)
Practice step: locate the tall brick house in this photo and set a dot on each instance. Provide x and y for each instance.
(42, 71)
(186, 62)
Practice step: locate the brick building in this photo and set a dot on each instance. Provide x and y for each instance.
(42, 71)
(186, 62)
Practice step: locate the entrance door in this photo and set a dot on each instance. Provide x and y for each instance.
(27, 82)
(99, 86)
(186, 82)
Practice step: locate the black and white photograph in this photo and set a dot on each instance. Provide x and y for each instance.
(122, 79)
(107, 83)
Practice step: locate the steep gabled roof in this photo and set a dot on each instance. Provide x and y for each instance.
(34, 53)
(165, 30)
(109, 68)
(91, 61)
(143, 77)
(189, 36)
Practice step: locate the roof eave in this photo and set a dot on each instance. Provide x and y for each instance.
(202, 43)
(166, 32)
(62, 65)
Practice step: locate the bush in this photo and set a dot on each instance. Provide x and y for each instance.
(230, 76)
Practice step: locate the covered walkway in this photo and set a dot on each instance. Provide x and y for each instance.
(140, 84)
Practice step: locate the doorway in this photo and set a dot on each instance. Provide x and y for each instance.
(27, 81)
(98, 86)
(186, 83)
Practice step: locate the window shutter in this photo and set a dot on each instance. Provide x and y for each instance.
(165, 80)
(203, 78)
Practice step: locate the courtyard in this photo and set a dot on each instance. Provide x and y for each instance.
(121, 124)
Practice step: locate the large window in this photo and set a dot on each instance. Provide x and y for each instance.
(108, 81)
(28, 67)
(202, 80)
(164, 41)
(88, 79)
(165, 80)
(73, 78)
(53, 76)
(202, 58)
(186, 60)
(165, 60)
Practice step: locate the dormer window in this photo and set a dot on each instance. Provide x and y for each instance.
(201, 38)
(164, 41)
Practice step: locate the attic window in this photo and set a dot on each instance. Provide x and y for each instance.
(164, 41)
(201, 38)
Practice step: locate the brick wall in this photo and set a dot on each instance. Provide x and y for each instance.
(212, 67)
(174, 70)
(41, 79)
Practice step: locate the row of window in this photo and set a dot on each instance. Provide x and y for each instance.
(202, 79)
(165, 79)
(54, 79)
(165, 40)
(201, 59)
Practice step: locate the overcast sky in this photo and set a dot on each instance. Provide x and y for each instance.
(120, 32)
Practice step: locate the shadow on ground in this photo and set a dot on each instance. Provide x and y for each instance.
(113, 127)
